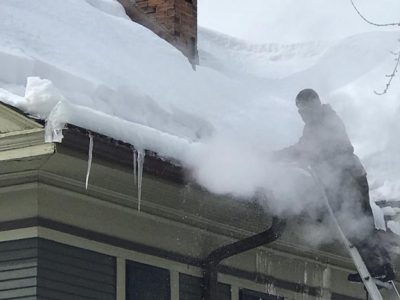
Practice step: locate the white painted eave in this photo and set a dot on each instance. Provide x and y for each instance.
(21, 137)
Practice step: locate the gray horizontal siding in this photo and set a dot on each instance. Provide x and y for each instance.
(18, 269)
(43, 269)
(67, 272)
(22, 293)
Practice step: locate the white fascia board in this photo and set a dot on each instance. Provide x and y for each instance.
(29, 151)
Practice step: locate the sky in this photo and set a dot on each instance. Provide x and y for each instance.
(299, 20)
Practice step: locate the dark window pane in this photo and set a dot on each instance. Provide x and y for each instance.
(252, 295)
(342, 297)
(145, 282)
(191, 288)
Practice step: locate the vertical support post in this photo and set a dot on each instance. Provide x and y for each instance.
(326, 283)
(174, 284)
(234, 292)
(121, 278)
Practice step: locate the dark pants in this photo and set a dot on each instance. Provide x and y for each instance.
(349, 199)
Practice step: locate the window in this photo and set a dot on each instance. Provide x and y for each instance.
(251, 295)
(191, 288)
(145, 282)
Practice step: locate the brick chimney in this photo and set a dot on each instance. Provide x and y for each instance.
(173, 20)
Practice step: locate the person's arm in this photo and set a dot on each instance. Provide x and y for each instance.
(292, 153)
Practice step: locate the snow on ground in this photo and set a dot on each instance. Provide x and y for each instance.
(86, 63)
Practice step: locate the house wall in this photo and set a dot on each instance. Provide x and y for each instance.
(18, 269)
(50, 202)
(37, 268)
(232, 285)
(43, 196)
(173, 20)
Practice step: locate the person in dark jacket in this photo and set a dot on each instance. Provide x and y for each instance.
(326, 148)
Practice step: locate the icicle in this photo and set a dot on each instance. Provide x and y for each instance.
(305, 273)
(89, 159)
(140, 161)
(134, 165)
(270, 288)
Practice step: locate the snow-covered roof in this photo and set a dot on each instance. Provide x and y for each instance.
(86, 63)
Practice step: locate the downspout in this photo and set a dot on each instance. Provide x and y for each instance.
(210, 264)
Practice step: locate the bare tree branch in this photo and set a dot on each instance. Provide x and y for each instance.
(391, 76)
(397, 59)
(370, 22)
